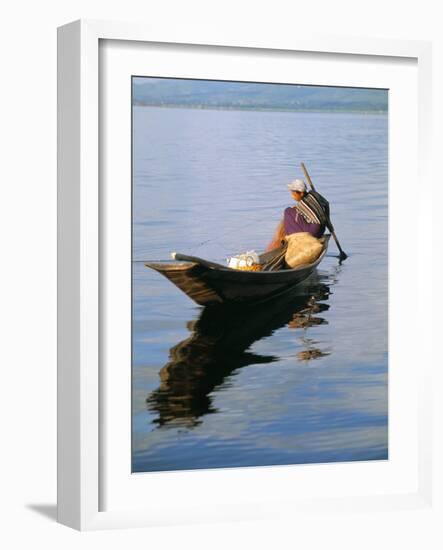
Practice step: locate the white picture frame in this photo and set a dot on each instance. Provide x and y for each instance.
(80, 264)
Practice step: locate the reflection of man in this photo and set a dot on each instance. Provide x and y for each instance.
(307, 215)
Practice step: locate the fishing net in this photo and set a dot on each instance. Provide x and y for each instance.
(255, 267)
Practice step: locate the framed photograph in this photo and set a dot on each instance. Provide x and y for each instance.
(239, 226)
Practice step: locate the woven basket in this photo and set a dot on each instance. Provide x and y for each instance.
(302, 249)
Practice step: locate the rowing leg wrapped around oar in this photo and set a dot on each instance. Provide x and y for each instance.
(329, 225)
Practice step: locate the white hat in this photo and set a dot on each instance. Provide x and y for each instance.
(297, 185)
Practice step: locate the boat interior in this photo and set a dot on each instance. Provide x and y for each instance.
(274, 260)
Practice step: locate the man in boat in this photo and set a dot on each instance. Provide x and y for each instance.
(309, 214)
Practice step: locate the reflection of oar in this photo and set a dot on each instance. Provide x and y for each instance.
(343, 254)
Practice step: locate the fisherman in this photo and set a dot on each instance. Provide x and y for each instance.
(307, 215)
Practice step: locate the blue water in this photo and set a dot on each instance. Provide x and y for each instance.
(302, 381)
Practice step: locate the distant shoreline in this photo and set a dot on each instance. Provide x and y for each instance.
(251, 108)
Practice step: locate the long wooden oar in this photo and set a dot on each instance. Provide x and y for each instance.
(343, 254)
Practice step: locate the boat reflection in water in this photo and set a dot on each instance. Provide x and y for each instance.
(218, 346)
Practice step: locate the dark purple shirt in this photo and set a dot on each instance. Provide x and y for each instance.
(294, 222)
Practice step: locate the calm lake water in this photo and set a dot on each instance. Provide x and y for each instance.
(301, 380)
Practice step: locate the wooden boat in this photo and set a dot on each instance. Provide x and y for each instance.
(208, 282)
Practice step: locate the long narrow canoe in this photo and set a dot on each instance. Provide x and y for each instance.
(210, 283)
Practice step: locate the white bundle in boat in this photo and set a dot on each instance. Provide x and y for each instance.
(247, 261)
(302, 249)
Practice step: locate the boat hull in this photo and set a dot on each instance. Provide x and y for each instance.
(211, 284)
